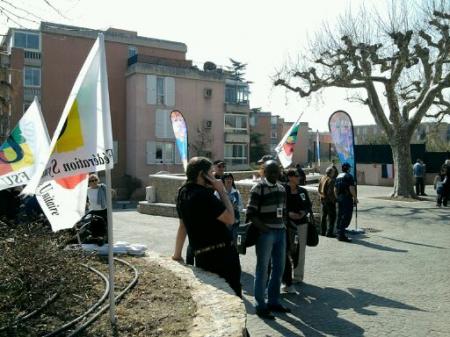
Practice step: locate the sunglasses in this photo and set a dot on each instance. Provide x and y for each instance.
(93, 180)
(221, 166)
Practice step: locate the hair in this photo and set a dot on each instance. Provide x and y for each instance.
(292, 172)
(93, 175)
(228, 175)
(195, 166)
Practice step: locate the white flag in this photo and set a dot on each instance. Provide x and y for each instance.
(285, 149)
(19, 153)
(82, 143)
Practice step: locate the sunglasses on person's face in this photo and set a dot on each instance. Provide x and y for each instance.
(221, 166)
(92, 180)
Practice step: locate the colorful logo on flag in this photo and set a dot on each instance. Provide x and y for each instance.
(291, 140)
(15, 153)
(180, 130)
(71, 136)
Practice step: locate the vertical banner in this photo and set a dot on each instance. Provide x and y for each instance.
(20, 152)
(285, 149)
(341, 130)
(181, 135)
(318, 147)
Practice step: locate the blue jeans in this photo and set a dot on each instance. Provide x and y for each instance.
(270, 246)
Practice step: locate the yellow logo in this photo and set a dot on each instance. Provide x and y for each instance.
(71, 136)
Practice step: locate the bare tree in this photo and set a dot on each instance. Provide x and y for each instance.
(397, 65)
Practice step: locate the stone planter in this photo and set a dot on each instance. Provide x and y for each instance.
(220, 313)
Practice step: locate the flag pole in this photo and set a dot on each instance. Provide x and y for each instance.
(105, 102)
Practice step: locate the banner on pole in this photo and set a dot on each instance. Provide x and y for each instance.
(82, 143)
(341, 129)
(19, 153)
(318, 147)
(181, 135)
(285, 149)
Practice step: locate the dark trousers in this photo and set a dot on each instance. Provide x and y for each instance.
(190, 259)
(442, 198)
(420, 186)
(328, 213)
(225, 263)
(345, 211)
(99, 227)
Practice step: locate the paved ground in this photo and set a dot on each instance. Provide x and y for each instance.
(392, 281)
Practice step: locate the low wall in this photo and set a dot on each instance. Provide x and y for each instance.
(220, 313)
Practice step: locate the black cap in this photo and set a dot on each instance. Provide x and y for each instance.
(265, 158)
(218, 162)
(346, 165)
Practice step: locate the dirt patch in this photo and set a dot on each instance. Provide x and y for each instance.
(34, 267)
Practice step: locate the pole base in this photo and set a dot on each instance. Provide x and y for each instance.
(356, 231)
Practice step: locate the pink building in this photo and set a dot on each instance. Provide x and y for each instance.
(148, 78)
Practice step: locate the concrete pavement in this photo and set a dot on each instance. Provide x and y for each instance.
(391, 281)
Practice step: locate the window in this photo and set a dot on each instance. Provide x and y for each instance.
(32, 77)
(236, 123)
(162, 153)
(160, 90)
(273, 120)
(26, 40)
(132, 50)
(273, 134)
(252, 121)
(163, 125)
(26, 105)
(236, 154)
(236, 94)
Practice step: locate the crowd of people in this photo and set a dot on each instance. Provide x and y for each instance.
(209, 207)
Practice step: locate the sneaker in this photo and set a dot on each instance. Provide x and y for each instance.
(331, 235)
(264, 313)
(289, 289)
(278, 308)
(344, 239)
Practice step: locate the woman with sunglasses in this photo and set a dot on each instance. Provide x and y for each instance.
(97, 206)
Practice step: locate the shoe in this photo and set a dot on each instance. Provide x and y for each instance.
(264, 314)
(438, 205)
(278, 308)
(289, 289)
(424, 194)
(344, 239)
(331, 235)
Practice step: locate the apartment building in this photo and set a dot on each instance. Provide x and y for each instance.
(148, 78)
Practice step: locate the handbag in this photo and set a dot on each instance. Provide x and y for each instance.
(248, 233)
(312, 239)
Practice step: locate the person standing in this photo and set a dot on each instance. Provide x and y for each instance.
(96, 194)
(206, 220)
(328, 203)
(440, 182)
(301, 174)
(298, 205)
(219, 168)
(345, 192)
(419, 175)
(265, 210)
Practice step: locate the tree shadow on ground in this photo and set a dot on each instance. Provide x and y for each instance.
(358, 241)
(315, 310)
(411, 243)
(416, 212)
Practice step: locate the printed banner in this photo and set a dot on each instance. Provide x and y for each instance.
(285, 149)
(82, 141)
(19, 153)
(341, 129)
(181, 135)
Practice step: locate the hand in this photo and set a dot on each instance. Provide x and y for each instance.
(355, 201)
(217, 184)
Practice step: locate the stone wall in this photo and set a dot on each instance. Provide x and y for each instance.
(219, 313)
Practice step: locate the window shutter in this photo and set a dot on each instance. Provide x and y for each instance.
(150, 152)
(170, 91)
(160, 127)
(151, 89)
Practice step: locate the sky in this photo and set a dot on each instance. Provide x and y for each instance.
(263, 34)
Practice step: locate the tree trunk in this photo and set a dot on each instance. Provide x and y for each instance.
(401, 153)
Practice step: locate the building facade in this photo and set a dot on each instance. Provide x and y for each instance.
(148, 78)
